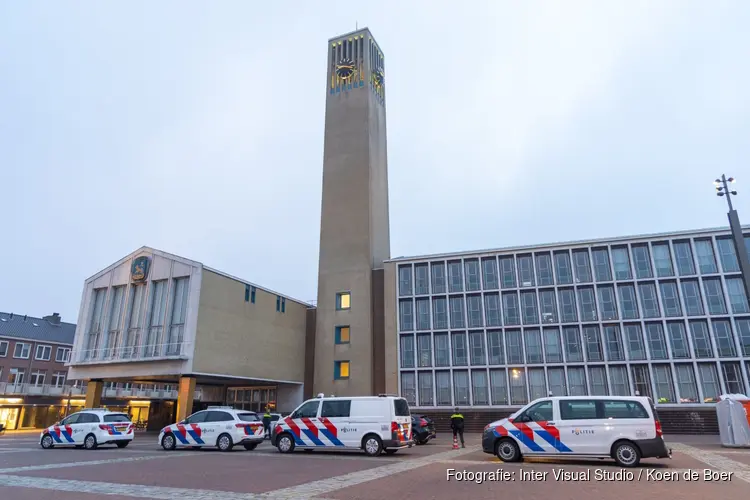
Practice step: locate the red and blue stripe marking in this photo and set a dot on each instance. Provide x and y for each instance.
(62, 432)
(312, 432)
(525, 435)
(194, 431)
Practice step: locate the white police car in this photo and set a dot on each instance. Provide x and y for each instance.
(222, 427)
(625, 428)
(89, 429)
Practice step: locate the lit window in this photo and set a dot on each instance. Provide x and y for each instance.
(343, 300)
(341, 370)
(342, 334)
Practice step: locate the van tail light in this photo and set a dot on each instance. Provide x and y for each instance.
(104, 427)
(277, 430)
(422, 422)
(394, 426)
(657, 427)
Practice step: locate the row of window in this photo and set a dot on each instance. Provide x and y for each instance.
(573, 305)
(590, 343)
(563, 267)
(663, 383)
(251, 291)
(17, 376)
(129, 386)
(22, 350)
(133, 321)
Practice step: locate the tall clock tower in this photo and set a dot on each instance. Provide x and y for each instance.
(354, 228)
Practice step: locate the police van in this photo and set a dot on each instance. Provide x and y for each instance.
(375, 424)
(89, 429)
(624, 428)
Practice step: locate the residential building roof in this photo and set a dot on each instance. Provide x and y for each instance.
(47, 329)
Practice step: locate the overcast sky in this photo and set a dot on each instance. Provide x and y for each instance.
(197, 128)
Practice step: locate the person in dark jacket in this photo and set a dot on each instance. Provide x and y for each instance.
(457, 426)
(267, 423)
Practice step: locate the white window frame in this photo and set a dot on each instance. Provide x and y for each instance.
(41, 357)
(35, 376)
(23, 344)
(65, 354)
(56, 376)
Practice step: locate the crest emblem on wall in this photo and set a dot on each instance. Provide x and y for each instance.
(139, 271)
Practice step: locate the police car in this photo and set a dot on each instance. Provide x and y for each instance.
(221, 427)
(89, 429)
(624, 428)
(375, 424)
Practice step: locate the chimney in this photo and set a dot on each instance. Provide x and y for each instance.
(25, 316)
(11, 315)
(54, 319)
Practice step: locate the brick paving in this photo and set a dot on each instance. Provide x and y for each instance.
(144, 471)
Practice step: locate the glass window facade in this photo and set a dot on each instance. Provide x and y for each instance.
(664, 317)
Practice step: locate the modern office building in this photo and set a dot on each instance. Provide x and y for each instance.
(661, 315)
(156, 318)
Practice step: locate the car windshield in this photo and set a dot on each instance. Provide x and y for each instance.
(248, 417)
(118, 417)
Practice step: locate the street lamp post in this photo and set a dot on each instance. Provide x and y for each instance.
(722, 189)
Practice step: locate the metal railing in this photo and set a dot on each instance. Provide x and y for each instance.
(25, 389)
(141, 352)
(79, 391)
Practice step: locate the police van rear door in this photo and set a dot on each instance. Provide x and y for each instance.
(402, 419)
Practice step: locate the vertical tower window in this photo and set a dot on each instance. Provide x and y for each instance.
(341, 370)
(343, 300)
(342, 334)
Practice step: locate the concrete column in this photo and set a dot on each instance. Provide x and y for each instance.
(185, 398)
(94, 393)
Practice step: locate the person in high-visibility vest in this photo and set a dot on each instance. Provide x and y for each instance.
(267, 423)
(457, 425)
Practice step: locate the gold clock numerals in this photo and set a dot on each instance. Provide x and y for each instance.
(346, 70)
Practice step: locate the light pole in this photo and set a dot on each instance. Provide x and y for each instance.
(722, 189)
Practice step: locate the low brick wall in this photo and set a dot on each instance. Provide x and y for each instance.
(673, 420)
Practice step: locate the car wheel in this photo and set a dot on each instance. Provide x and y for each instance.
(285, 443)
(168, 442)
(90, 442)
(47, 442)
(122, 444)
(224, 442)
(507, 450)
(372, 445)
(626, 454)
(250, 446)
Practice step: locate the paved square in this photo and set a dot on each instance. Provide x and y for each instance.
(143, 470)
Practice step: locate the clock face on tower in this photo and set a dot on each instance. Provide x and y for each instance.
(345, 69)
(378, 78)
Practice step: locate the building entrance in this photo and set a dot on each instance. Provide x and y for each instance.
(9, 417)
